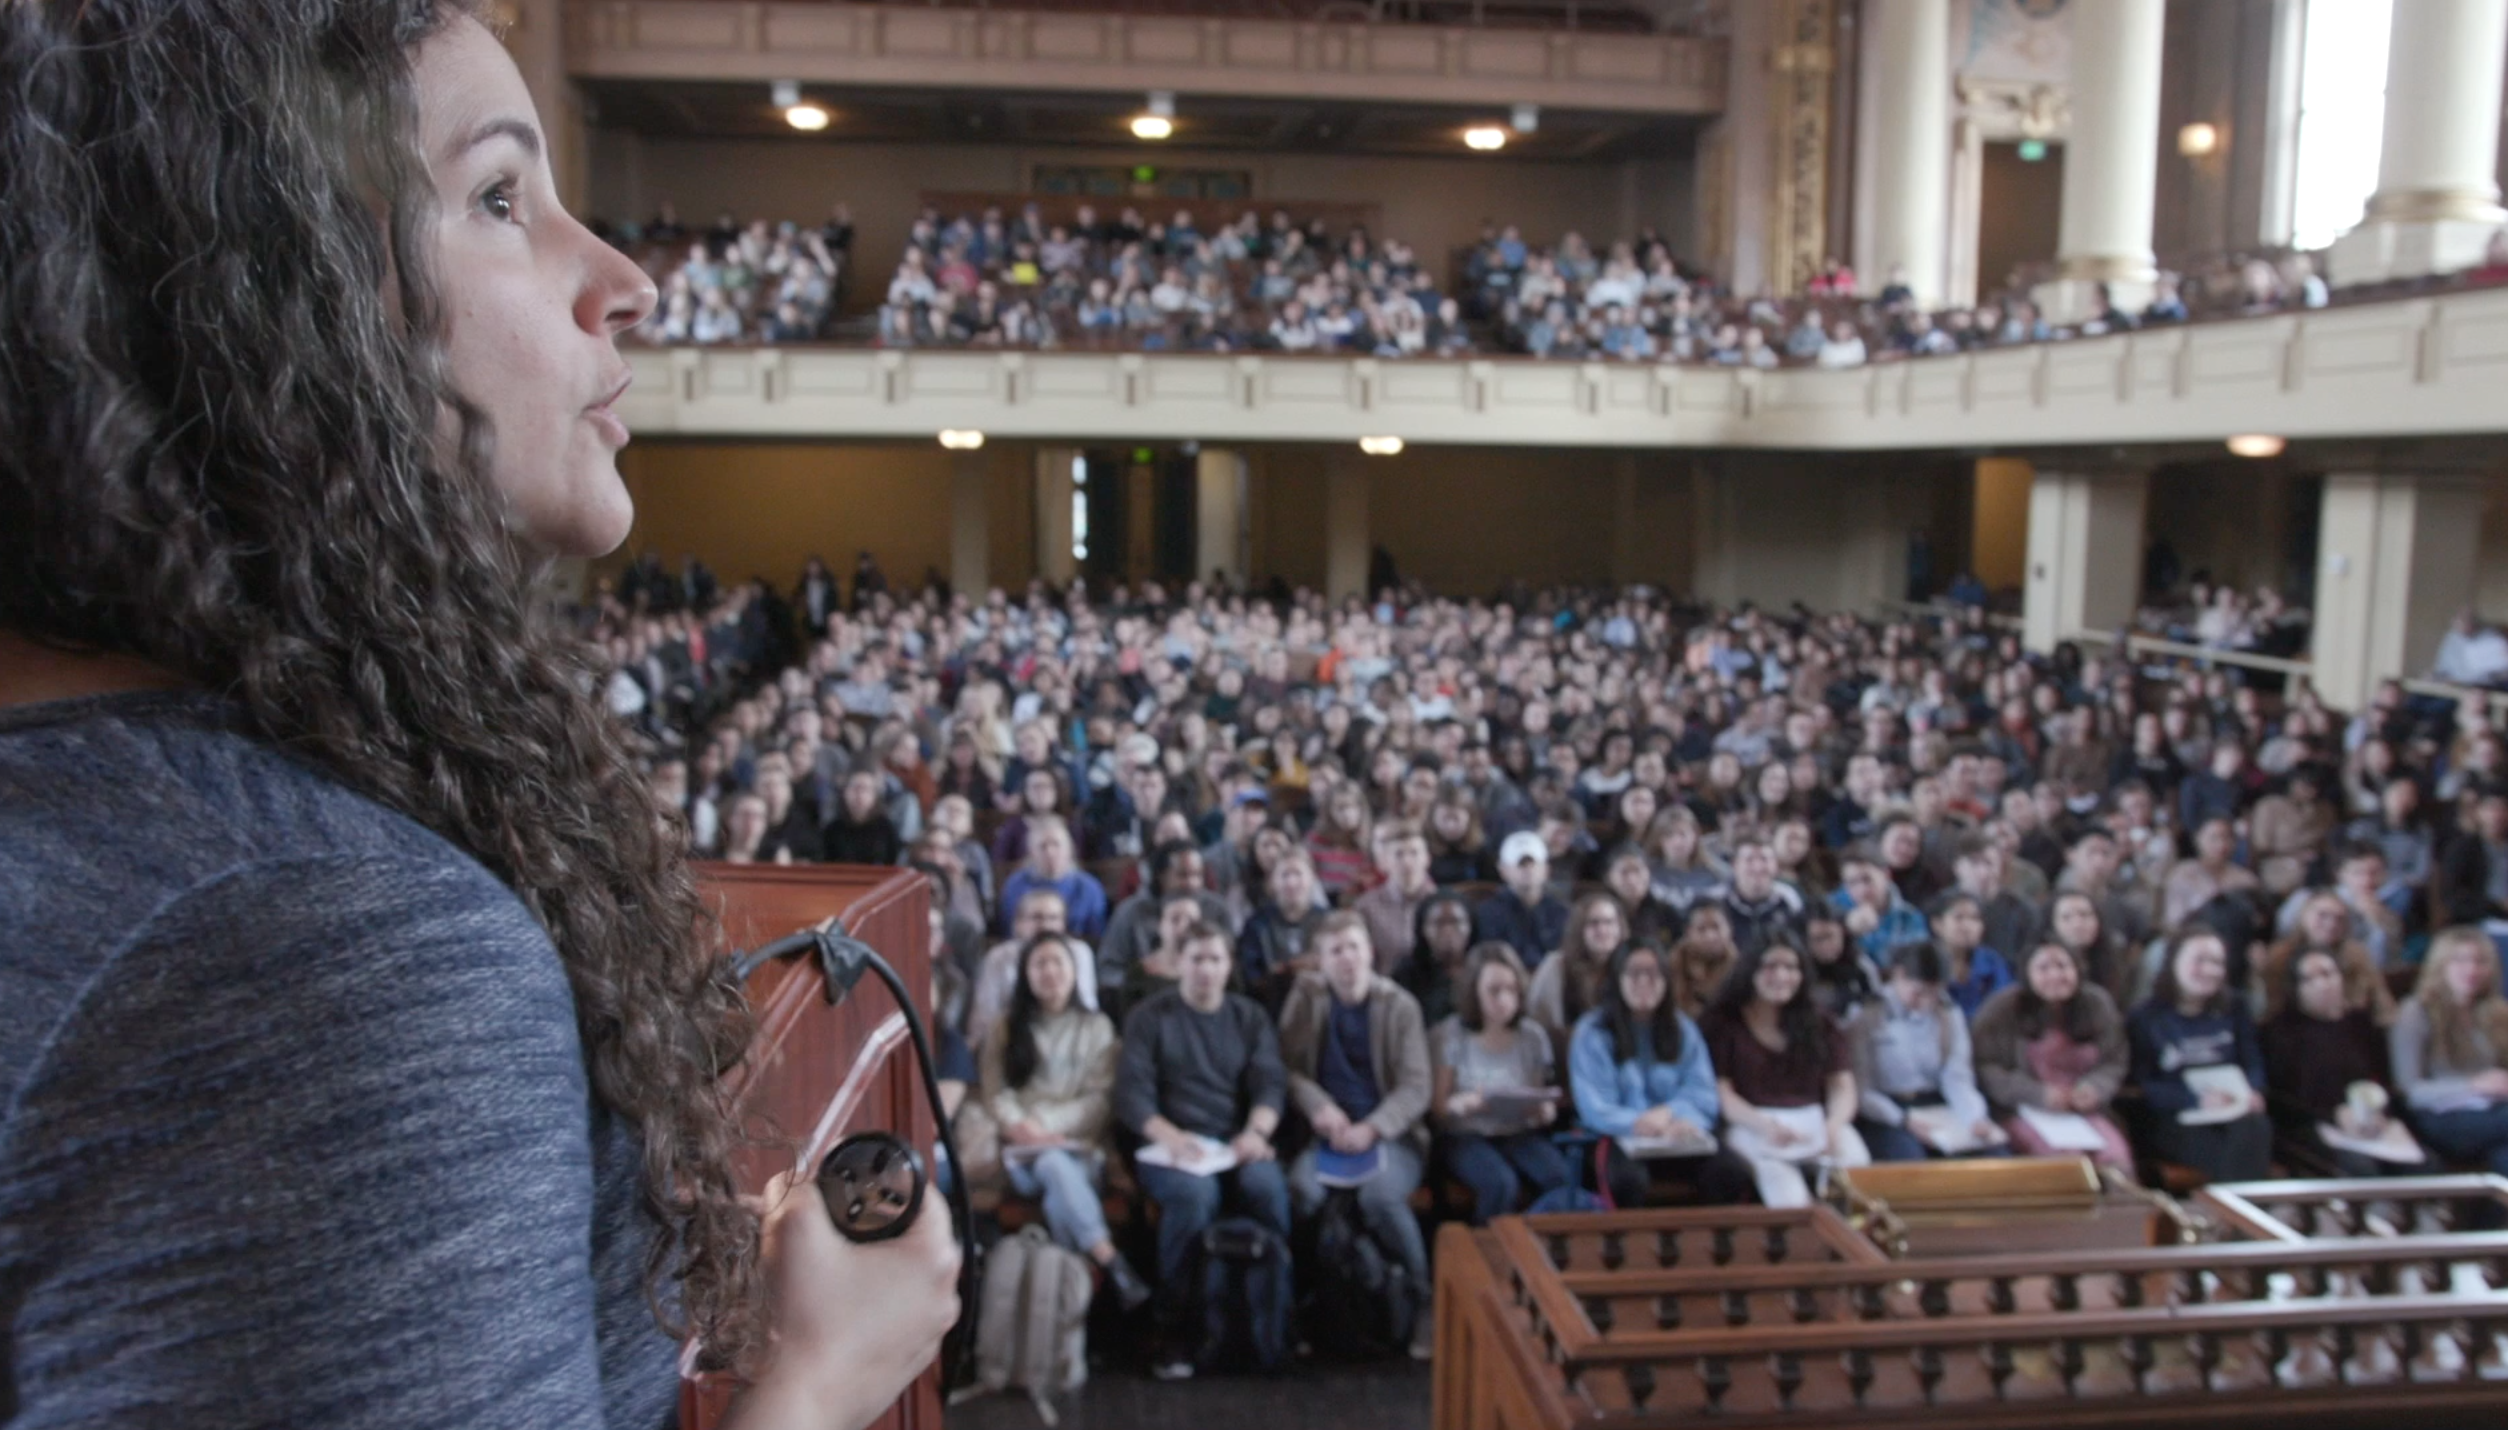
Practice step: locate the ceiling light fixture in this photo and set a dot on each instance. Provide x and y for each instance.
(808, 118)
(1381, 446)
(1485, 138)
(2198, 139)
(961, 439)
(2258, 445)
(1152, 126)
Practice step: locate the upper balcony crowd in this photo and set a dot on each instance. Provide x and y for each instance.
(1114, 279)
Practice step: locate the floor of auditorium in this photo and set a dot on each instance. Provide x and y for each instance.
(1389, 1396)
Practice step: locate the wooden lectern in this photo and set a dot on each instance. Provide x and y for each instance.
(818, 1071)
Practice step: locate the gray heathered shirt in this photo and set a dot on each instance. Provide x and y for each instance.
(297, 1128)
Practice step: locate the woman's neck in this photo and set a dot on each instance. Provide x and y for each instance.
(33, 674)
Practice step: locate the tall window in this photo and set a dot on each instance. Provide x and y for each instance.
(1079, 508)
(2342, 116)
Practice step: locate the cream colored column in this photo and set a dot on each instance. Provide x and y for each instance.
(2111, 162)
(1053, 514)
(1219, 532)
(2437, 199)
(2396, 559)
(970, 523)
(2085, 554)
(1912, 193)
(1345, 526)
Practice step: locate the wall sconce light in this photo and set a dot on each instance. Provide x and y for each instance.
(2198, 139)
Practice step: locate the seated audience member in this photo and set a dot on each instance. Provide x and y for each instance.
(1913, 1067)
(1875, 913)
(2194, 1023)
(1176, 866)
(1458, 849)
(1156, 971)
(1279, 939)
(2324, 925)
(2073, 919)
(1703, 959)
(1639, 1069)
(1973, 972)
(1787, 1093)
(1524, 915)
(1485, 1056)
(1685, 871)
(792, 825)
(1040, 911)
(1052, 864)
(1048, 1079)
(1571, 980)
(1038, 796)
(1391, 908)
(1979, 870)
(861, 832)
(1338, 843)
(2450, 1052)
(2286, 834)
(2359, 884)
(1442, 943)
(2054, 1042)
(2473, 872)
(1631, 879)
(2326, 1064)
(1842, 979)
(1202, 1062)
(2192, 883)
(1758, 907)
(744, 832)
(1357, 1059)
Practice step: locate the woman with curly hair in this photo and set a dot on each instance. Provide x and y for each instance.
(365, 1039)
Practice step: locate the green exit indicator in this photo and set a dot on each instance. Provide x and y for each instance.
(1143, 456)
(1146, 174)
(2032, 150)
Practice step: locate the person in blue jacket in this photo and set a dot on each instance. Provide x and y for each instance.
(1638, 1069)
(2194, 1020)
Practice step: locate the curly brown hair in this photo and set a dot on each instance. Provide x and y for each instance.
(223, 409)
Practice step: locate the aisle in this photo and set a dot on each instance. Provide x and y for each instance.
(1390, 1396)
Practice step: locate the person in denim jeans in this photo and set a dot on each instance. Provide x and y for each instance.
(1048, 1070)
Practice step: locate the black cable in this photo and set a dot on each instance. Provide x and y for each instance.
(842, 959)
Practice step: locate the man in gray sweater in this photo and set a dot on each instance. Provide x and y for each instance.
(1201, 1062)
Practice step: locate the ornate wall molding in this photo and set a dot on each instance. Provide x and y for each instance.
(1042, 50)
(1801, 64)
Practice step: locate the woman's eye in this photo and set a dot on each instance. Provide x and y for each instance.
(498, 203)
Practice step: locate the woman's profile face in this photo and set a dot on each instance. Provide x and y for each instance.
(533, 301)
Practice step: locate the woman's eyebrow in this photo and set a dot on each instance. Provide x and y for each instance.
(521, 131)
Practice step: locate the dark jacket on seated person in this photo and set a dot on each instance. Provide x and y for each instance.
(1204, 1072)
(1532, 932)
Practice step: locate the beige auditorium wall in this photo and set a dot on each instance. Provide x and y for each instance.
(1433, 204)
(1998, 548)
(759, 508)
(1285, 516)
(2490, 562)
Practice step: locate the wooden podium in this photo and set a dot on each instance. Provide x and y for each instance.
(818, 1071)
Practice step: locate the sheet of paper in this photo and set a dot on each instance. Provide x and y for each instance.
(2223, 1078)
(1644, 1148)
(1216, 1157)
(2063, 1131)
(2395, 1144)
(1942, 1132)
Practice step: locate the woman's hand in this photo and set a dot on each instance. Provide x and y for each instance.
(2084, 1100)
(1464, 1104)
(836, 1367)
(1026, 1134)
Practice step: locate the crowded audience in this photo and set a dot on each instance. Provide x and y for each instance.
(1335, 919)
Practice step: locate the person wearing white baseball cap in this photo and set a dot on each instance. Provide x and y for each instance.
(1524, 915)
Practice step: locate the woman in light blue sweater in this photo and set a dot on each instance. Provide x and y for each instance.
(1639, 1071)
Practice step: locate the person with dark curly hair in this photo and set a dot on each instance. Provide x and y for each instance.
(364, 1037)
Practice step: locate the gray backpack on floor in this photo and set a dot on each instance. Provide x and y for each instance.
(1032, 1333)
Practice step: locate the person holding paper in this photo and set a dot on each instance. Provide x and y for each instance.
(2450, 1048)
(2200, 1067)
(1201, 1066)
(1357, 1058)
(1641, 1076)
(2050, 1055)
(1781, 1074)
(1912, 1066)
(1047, 1074)
(2325, 1067)
(1486, 1060)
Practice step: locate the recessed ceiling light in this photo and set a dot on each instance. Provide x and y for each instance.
(1381, 446)
(808, 118)
(960, 439)
(1152, 126)
(1486, 138)
(2257, 444)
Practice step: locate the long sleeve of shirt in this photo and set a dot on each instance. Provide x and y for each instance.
(2426, 1087)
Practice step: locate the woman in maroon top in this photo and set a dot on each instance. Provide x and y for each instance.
(2315, 1051)
(1789, 1100)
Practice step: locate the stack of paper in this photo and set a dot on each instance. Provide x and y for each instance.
(2219, 1078)
(1216, 1157)
(2393, 1143)
(1694, 1144)
(1944, 1133)
(2063, 1131)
